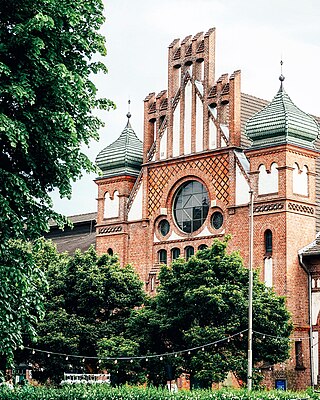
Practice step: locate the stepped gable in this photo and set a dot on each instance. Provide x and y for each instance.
(282, 122)
(122, 157)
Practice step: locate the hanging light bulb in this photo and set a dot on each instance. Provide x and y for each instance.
(241, 334)
(147, 359)
(161, 358)
(67, 358)
(99, 361)
(202, 349)
(131, 360)
(215, 345)
(48, 355)
(33, 351)
(189, 352)
(83, 360)
(115, 361)
(176, 355)
(264, 336)
(228, 340)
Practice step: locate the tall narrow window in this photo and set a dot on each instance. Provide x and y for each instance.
(299, 354)
(188, 252)
(162, 256)
(268, 242)
(175, 253)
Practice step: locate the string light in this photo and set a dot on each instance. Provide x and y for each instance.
(131, 360)
(175, 354)
(67, 358)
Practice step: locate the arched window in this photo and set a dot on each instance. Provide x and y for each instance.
(268, 242)
(111, 205)
(175, 253)
(268, 181)
(188, 252)
(202, 247)
(162, 256)
(110, 251)
(300, 180)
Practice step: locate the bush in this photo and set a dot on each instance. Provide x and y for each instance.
(105, 392)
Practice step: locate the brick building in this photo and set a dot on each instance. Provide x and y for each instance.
(205, 145)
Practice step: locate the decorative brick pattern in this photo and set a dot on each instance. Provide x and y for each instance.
(300, 208)
(268, 207)
(217, 168)
(110, 229)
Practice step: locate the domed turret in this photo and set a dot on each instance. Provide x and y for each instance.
(281, 122)
(122, 157)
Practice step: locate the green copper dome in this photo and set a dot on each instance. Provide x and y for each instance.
(122, 157)
(282, 122)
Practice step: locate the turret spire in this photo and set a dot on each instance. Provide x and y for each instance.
(281, 77)
(128, 115)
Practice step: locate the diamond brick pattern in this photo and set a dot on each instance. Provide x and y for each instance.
(217, 168)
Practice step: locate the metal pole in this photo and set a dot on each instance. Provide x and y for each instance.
(249, 382)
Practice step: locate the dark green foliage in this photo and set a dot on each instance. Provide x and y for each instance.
(22, 289)
(46, 102)
(203, 300)
(89, 298)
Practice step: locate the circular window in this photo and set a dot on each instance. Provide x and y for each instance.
(191, 206)
(217, 220)
(164, 227)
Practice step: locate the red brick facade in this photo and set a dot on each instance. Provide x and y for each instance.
(173, 154)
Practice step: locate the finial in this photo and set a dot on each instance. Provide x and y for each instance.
(128, 113)
(281, 77)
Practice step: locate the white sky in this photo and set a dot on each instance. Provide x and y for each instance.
(251, 35)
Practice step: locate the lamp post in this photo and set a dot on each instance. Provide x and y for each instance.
(249, 381)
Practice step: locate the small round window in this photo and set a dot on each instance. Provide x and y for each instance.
(191, 206)
(217, 220)
(164, 227)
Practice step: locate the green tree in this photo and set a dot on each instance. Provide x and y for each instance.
(204, 300)
(47, 50)
(27, 287)
(89, 298)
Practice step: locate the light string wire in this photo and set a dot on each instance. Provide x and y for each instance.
(177, 352)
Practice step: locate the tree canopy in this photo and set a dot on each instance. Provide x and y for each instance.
(205, 300)
(48, 50)
(89, 298)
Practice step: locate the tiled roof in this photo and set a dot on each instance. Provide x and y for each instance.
(312, 249)
(124, 156)
(250, 105)
(75, 219)
(73, 242)
(81, 236)
(281, 121)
